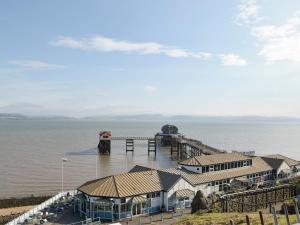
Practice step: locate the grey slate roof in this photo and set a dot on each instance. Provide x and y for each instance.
(273, 162)
(289, 161)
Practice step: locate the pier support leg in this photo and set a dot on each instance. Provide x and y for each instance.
(152, 146)
(104, 147)
(129, 145)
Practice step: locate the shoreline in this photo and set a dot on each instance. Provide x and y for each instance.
(6, 203)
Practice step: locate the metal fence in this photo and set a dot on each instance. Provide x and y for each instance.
(40, 207)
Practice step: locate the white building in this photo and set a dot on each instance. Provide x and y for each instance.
(143, 190)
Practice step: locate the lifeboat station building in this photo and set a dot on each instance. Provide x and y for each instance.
(143, 190)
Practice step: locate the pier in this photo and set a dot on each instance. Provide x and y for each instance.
(180, 145)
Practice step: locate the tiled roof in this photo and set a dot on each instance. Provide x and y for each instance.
(258, 165)
(205, 160)
(289, 161)
(130, 184)
(149, 180)
(184, 193)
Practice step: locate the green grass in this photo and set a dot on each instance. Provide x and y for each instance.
(224, 218)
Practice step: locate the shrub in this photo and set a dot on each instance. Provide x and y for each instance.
(199, 202)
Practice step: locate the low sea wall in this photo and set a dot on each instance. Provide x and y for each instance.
(39, 207)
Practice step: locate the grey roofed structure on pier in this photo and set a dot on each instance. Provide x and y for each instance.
(205, 160)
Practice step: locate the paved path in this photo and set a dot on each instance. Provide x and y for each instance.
(168, 219)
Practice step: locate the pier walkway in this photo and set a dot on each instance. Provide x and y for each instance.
(184, 147)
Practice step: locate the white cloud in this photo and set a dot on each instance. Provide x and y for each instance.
(150, 89)
(280, 42)
(232, 60)
(248, 12)
(33, 64)
(105, 44)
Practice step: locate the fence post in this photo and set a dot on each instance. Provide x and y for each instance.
(150, 219)
(274, 216)
(297, 210)
(231, 222)
(286, 214)
(247, 220)
(261, 218)
(162, 217)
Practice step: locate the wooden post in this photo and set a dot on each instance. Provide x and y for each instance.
(286, 214)
(231, 222)
(274, 216)
(247, 220)
(297, 210)
(243, 202)
(261, 218)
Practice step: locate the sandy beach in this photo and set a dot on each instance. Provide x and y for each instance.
(14, 210)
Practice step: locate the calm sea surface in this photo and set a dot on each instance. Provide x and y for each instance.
(31, 150)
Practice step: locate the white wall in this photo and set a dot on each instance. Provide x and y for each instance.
(283, 167)
(180, 185)
(155, 202)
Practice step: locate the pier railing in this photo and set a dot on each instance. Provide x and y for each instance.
(40, 207)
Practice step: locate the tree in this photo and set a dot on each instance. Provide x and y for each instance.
(199, 202)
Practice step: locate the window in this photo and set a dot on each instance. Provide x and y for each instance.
(226, 166)
(211, 168)
(198, 168)
(222, 166)
(157, 194)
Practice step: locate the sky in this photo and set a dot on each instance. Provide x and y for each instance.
(170, 57)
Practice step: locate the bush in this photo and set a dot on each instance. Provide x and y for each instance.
(199, 202)
(290, 208)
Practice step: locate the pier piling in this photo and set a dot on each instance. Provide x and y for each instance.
(129, 145)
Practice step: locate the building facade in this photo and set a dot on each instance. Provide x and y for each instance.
(144, 191)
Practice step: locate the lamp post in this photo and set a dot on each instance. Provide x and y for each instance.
(62, 173)
(96, 166)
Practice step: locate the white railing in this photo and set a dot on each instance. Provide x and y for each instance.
(39, 207)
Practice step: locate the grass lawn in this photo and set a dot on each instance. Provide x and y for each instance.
(224, 218)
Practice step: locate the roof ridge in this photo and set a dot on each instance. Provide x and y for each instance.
(115, 183)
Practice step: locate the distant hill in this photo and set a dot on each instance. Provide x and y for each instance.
(13, 116)
(160, 118)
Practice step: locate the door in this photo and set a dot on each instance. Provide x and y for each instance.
(136, 209)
